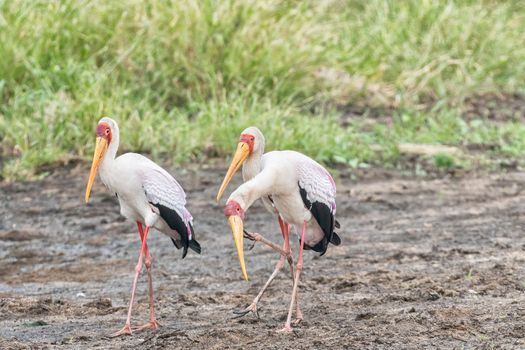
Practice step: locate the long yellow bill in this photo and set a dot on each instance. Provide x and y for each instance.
(101, 147)
(242, 152)
(238, 237)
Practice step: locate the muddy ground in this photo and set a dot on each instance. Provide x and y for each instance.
(425, 263)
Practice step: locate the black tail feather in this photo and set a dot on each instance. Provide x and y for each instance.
(175, 222)
(181, 244)
(325, 217)
(175, 243)
(195, 246)
(335, 240)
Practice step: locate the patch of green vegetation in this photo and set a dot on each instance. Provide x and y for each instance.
(443, 160)
(183, 78)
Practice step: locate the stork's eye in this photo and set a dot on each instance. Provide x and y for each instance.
(107, 131)
(238, 209)
(252, 138)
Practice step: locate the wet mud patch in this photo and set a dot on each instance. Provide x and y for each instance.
(424, 263)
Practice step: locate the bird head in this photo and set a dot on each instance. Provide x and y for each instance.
(235, 214)
(105, 131)
(251, 141)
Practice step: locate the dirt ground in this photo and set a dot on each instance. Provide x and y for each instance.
(424, 263)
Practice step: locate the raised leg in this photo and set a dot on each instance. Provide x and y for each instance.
(298, 268)
(127, 327)
(280, 264)
(153, 323)
(253, 306)
(254, 236)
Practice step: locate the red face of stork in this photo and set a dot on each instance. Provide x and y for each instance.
(104, 134)
(245, 147)
(235, 214)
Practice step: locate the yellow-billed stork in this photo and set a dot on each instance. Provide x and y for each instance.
(148, 195)
(293, 185)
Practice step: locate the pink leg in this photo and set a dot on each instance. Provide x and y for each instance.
(253, 306)
(127, 327)
(298, 268)
(285, 230)
(254, 236)
(280, 264)
(153, 323)
(286, 235)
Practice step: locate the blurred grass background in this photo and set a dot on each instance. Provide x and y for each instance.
(342, 81)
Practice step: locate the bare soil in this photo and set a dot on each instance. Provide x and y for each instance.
(424, 263)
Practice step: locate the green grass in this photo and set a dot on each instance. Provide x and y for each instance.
(183, 78)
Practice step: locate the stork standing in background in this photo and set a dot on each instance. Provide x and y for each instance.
(301, 191)
(148, 195)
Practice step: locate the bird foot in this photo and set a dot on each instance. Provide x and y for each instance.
(286, 329)
(154, 324)
(125, 330)
(251, 308)
(252, 236)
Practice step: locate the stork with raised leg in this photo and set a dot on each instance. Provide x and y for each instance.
(248, 155)
(299, 189)
(148, 195)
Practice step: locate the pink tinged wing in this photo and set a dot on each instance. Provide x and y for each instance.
(317, 189)
(161, 188)
(318, 183)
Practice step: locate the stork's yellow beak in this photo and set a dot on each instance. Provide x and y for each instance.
(242, 152)
(238, 236)
(101, 147)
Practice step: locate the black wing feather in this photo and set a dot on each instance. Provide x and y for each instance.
(176, 223)
(326, 220)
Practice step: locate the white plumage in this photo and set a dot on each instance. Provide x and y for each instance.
(317, 182)
(140, 184)
(282, 175)
(290, 184)
(148, 195)
(161, 188)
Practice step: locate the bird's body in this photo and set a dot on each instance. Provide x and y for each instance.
(148, 195)
(282, 175)
(146, 187)
(131, 196)
(295, 187)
